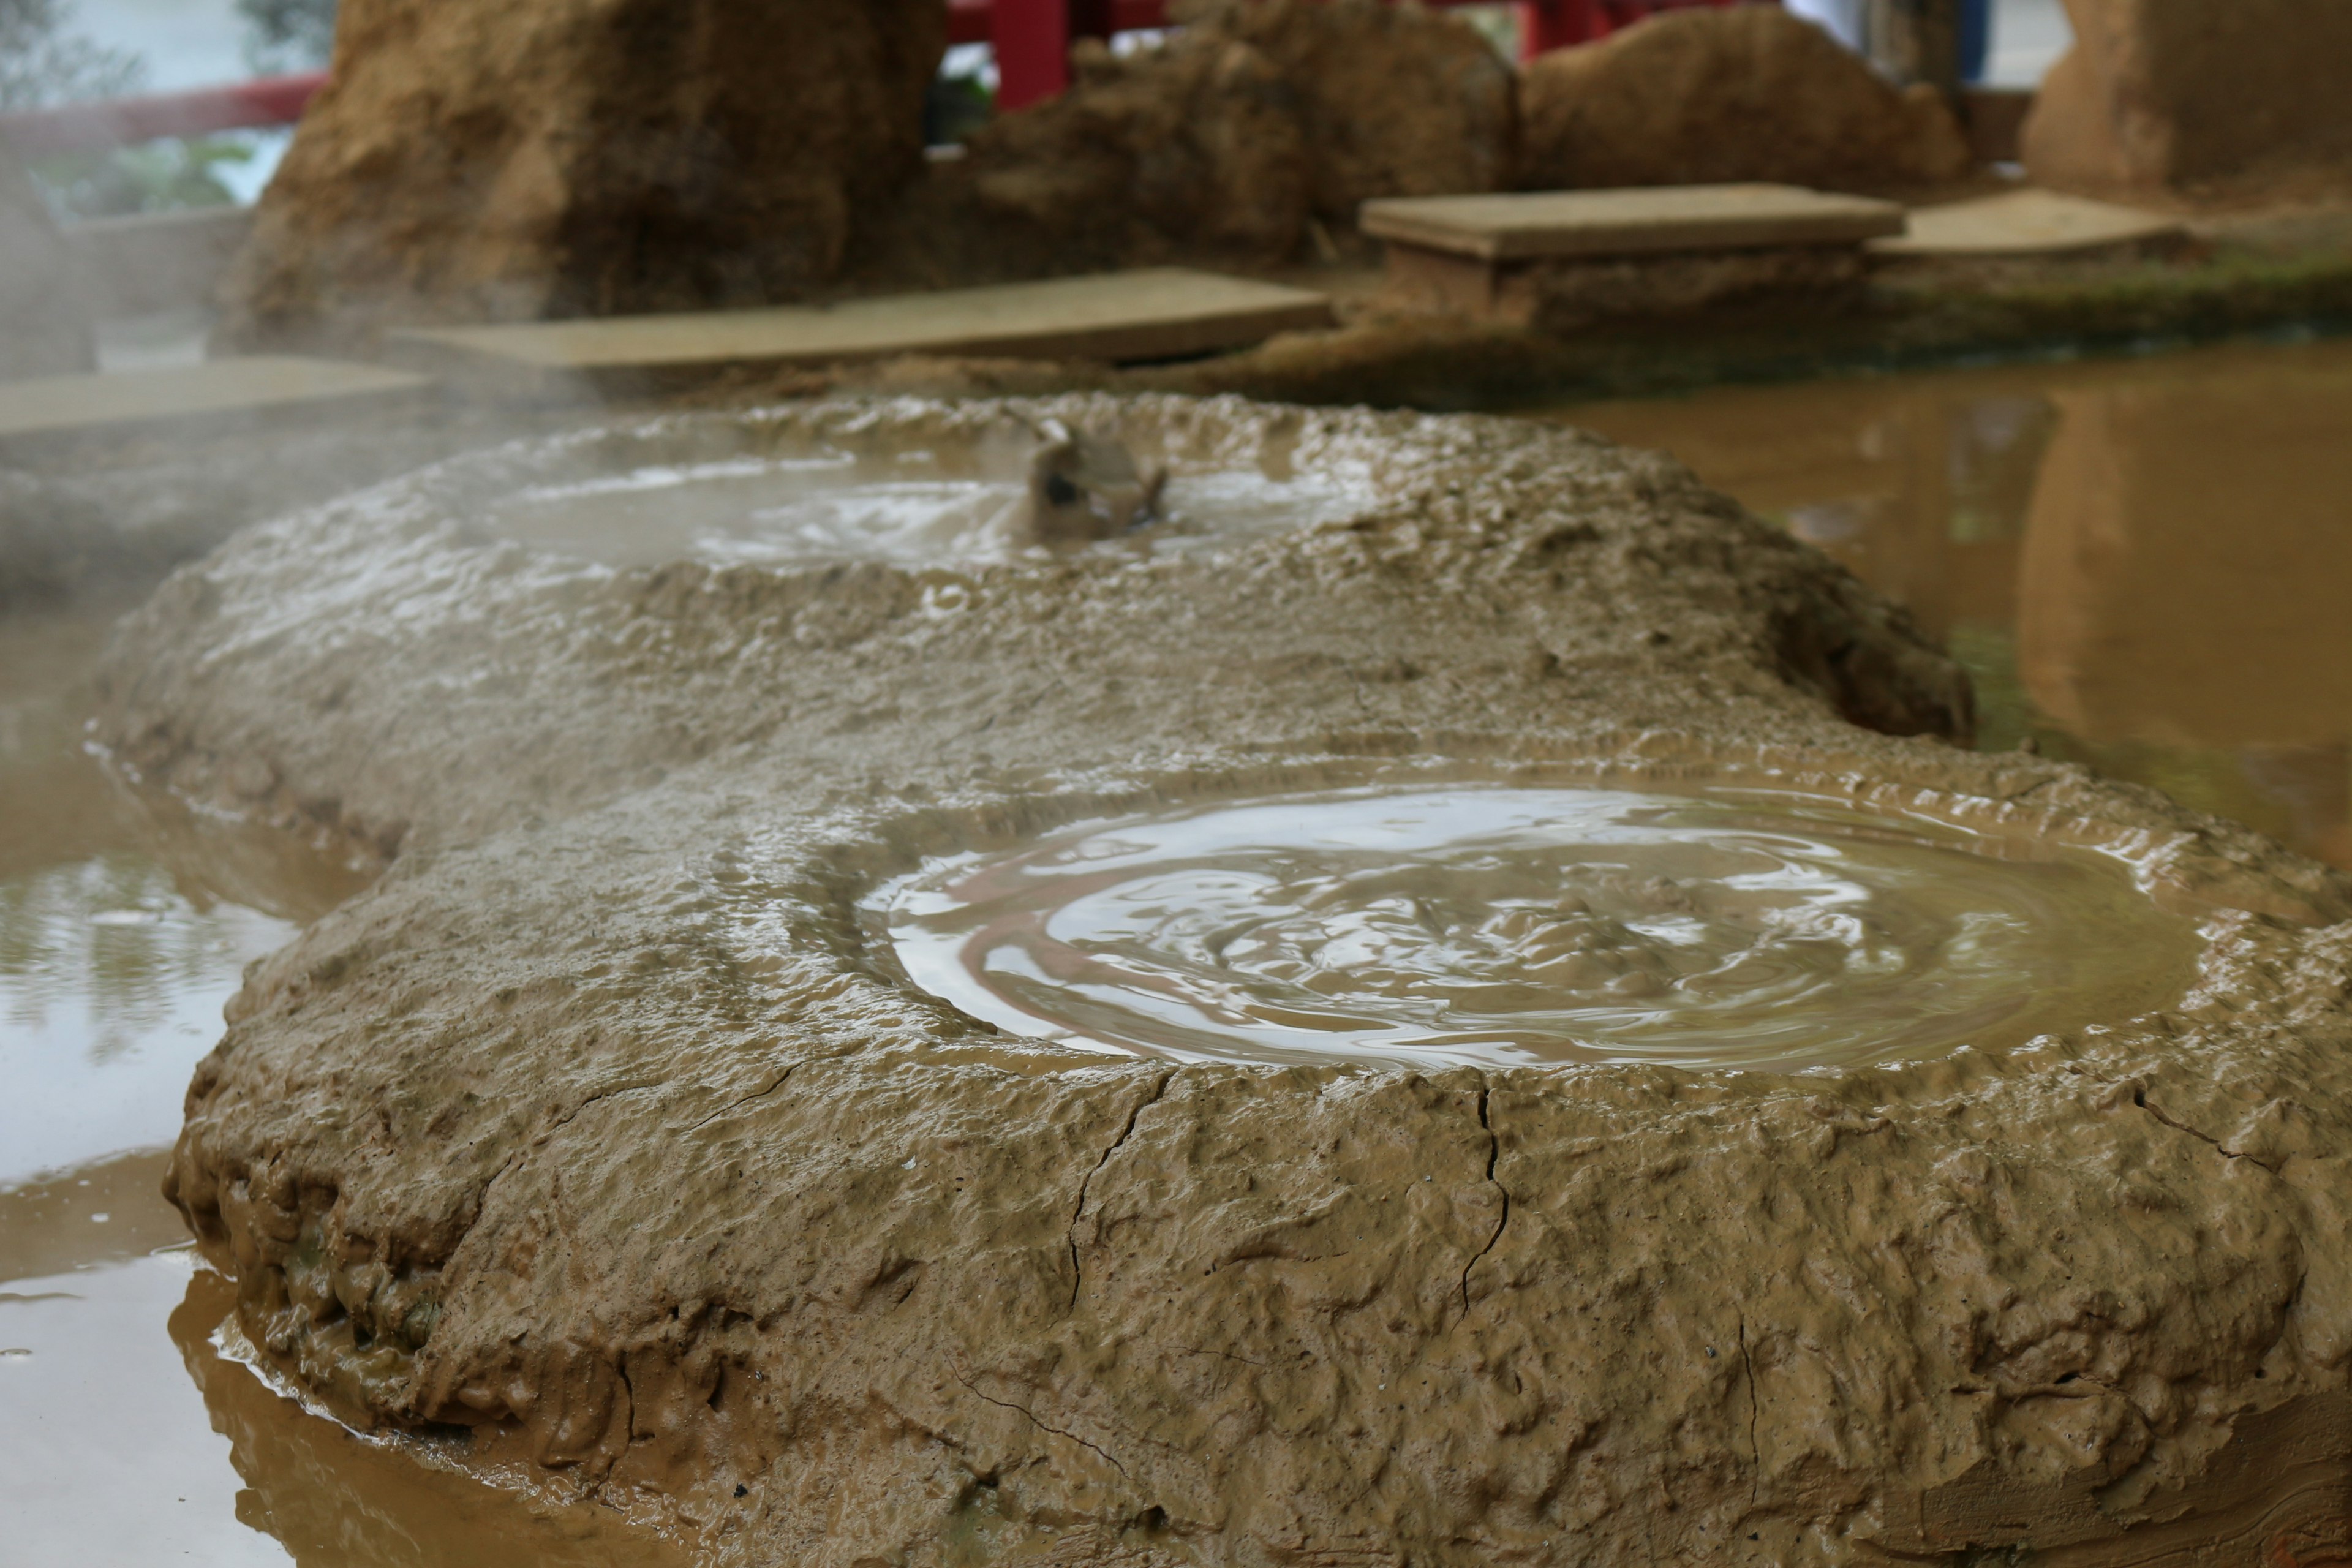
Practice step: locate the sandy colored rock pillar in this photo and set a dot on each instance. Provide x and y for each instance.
(476, 160)
(45, 327)
(2192, 96)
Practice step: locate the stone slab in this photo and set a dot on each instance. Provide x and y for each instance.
(2026, 223)
(1536, 225)
(1156, 313)
(67, 405)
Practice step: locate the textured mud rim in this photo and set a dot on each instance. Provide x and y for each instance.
(958, 1271)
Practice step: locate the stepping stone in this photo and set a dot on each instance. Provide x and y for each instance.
(65, 407)
(1548, 225)
(2027, 222)
(1157, 314)
(1478, 254)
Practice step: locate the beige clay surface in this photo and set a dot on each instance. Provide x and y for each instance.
(605, 1128)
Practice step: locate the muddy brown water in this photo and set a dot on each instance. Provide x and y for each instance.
(1508, 927)
(2142, 562)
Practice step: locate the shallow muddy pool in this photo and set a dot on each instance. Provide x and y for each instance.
(2143, 562)
(1514, 926)
(809, 502)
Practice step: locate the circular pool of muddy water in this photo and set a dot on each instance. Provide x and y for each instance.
(782, 493)
(1511, 926)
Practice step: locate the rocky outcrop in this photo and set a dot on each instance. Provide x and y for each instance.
(1707, 97)
(2187, 98)
(606, 1127)
(45, 328)
(1260, 117)
(478, 160)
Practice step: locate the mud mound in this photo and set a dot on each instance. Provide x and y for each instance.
(1255, 119)
(44, 328)
(478, 160)
(1706, 96)
(2190, 97)
(606, 1127)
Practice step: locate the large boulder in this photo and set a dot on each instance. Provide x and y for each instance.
(475, 159)
(43, 327)
(2186, 95)
(1256, 120)
(1696, 97)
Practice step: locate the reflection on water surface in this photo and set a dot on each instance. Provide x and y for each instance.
(1515, 926)
(2144, 563)
(126, 1436)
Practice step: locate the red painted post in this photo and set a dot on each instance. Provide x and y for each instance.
(1558, 25)
(1032, 50)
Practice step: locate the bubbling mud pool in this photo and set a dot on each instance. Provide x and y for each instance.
(823, 501)
(1510, 926)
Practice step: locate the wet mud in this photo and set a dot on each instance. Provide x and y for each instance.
(604, 1128)
(125, 921)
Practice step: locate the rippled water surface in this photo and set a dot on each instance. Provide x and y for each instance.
(912, 510)
(1508, 925)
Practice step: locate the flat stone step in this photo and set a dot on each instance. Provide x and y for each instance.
(2026, 223)
(1546, 225)
(52, 406)
(1156, 313)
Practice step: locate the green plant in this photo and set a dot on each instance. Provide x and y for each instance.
(166, 176)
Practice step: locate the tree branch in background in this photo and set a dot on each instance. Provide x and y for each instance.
(41, 62)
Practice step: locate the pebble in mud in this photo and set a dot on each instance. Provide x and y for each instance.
(610, 1123)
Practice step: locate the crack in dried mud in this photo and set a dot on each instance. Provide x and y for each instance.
(1755, 1449)
(781, 1079)
(1494, 1154)
(1078, 1272)
(2140, 1099)
(1107, 1458)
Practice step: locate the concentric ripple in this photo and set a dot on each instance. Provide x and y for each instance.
(1510, 926)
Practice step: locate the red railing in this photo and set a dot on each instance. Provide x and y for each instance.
(122, 121)
(1032, 39)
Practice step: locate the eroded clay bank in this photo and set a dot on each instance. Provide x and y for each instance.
(608, 1129)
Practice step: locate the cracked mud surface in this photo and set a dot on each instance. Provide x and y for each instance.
(601, 1127)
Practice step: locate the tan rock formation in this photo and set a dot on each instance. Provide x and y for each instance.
(1749, 93)
(2187, 97)
(45, 328)
(604, 1127)
(1258, 117)
(479, 160)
